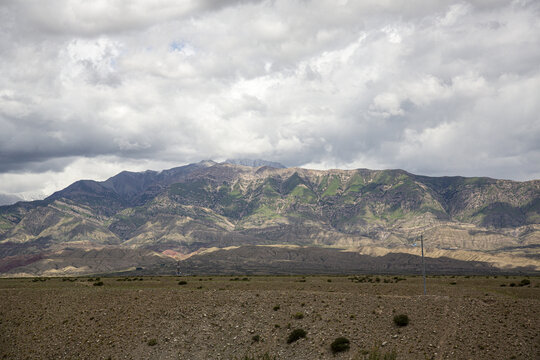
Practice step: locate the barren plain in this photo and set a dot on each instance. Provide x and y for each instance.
(229, 317)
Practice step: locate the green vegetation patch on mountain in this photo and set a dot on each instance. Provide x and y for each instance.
(331, 186)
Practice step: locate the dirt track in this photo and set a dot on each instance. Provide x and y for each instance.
(220, 317)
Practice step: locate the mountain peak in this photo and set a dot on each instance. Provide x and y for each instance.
(207, 163)
(255, 163)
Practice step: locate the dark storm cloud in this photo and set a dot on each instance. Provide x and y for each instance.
(91, 88)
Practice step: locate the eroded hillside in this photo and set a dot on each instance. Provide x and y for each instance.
(179, 212)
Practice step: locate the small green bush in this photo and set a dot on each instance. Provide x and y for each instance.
(182, 282)
(256, 338)
(298, 316)
(524, 282)
(276, 308)
(152, 342)
(340, 344)
(99, 283)
(295, 335)
(401, 320)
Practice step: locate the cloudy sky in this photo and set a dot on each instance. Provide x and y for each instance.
(90, 88)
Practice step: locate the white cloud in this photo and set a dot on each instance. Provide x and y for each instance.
(93, 61)
(431, 87)
(454, 14)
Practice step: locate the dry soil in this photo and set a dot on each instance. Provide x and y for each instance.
(251, 317)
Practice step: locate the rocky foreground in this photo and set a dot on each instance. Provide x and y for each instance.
(252, 317)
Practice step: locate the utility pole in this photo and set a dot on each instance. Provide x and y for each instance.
(423, 263)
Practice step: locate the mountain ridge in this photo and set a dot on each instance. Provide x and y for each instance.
(188, 208)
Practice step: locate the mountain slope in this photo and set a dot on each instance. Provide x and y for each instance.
(184, 210)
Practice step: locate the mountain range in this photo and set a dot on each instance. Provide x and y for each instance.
(258, 217)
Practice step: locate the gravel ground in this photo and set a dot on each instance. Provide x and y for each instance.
(231, 318)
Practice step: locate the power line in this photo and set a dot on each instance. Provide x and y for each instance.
(423, 263)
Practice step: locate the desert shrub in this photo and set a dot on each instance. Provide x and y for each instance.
(298, 316)
(152, 342)
(524, 282)
(255, 338)
(295, 335)
(340, 344)
(401, 320)
(276, 308)
(453, 283)
(512, 284)
(182, 282)
(98, 283)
